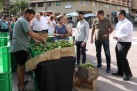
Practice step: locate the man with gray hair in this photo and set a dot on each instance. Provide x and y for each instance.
(45, 19)
(37, 23)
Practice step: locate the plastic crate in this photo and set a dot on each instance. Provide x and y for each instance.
(6, 81)
(13, 63)
(35, 84)
(3, 41)
(5, 64)
(35, 53)
(4, 34)
(49, 39)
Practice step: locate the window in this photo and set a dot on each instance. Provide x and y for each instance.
(87, 3)
(81, 3)
(107, 5)
(68, 3)
(58, 3)
(84, 3)
(40, 4)
(94, 3)
(100, 4)
(113, 6)
(33, 4)
(48, 3)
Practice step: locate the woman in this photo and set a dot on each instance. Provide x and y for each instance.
(61, 30)
(12, 26)
(51, 25)
(69, 25)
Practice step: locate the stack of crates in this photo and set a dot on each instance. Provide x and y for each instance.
(5, 63)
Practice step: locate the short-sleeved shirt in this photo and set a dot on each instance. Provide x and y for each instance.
(101, 28)
(4, 25)
(20, 39)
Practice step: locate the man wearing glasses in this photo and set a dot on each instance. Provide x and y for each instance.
(123, 36)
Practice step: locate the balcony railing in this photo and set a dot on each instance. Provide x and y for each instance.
(31, 1)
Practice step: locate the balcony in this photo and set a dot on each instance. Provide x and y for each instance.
(34, 1)
(134, 4)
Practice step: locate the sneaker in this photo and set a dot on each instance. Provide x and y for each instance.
(77, 65)
(108, 70)
(99, 66)
(24, 89)
(25, 82)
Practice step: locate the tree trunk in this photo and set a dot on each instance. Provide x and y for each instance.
(22, 11)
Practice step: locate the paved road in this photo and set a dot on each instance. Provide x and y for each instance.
(107, 82)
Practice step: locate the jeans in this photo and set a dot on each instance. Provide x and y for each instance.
(122, 49)
(105, 44)
(83, 50)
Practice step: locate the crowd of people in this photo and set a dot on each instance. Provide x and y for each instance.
(31, 24)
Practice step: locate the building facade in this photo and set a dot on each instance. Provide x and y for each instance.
(56, 7)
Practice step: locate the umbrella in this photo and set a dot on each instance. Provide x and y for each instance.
(90, 15)
(72, 14)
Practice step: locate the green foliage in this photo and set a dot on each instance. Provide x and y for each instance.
(50, 46)
(88, 66)
(20, 5)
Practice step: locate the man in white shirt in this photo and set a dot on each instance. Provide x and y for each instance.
(124, 29)
(37, 24)
(45, 19)
(81, 37)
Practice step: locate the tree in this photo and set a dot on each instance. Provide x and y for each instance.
(1, 4)
(20, 5)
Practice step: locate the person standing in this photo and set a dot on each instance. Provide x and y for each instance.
(81, 37)
(11, 27)
(45, 19)
(102, 27)
(51, 25)
(61, 31)
(37, 23)
(20, 44)
(123, 36)
(4, 25)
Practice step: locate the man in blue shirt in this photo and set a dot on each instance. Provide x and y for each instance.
(4, 25)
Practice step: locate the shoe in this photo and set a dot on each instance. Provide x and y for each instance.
(117, 74)
(108, 70)
(99, 66)
(126, 77)
(77, 65)
(25, 82)
(24, 89)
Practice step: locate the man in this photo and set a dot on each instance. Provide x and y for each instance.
(20, 43)
(102, 27)
(124, 29)
(37, 23)
(81, 37)
(45, 19)
(4, 25)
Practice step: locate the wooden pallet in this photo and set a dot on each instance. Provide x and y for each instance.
(91, 84)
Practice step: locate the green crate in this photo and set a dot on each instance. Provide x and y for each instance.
(49, 39)
(35, 84)
(71, 39)
(6, 81)
(4, 34)
(13, 62)
(35, 53)
(3, 41)
(5, 64)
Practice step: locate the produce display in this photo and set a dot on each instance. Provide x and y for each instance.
(88, 66)
(50, 46)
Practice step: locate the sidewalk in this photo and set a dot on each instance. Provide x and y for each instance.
(106, 81)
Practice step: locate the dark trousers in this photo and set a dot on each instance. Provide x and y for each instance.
(122, 49)
(80, 49)
(4, 30)
(105, 44)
